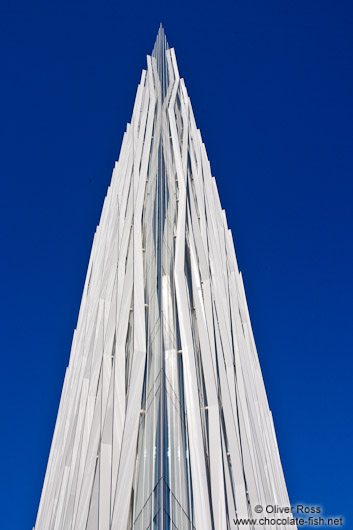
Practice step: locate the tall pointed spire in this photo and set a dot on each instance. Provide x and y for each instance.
(163, 421)
(159, 53)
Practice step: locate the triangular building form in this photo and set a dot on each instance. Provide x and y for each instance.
(163, 420)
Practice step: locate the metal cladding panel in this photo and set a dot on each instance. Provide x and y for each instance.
(163, 421)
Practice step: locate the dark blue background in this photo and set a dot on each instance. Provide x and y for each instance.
(271, 84)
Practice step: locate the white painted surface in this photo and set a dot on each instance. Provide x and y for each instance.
(163, 418)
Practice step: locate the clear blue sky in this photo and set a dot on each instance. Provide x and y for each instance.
(271, 83)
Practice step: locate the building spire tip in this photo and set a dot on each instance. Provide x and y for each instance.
(161, 43)
(161, 30)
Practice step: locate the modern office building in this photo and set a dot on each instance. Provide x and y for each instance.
(163, 420)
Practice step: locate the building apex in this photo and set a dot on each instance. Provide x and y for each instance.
(159, 53)
(161, 44)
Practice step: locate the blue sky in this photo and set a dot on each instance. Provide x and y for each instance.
(271, 84)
